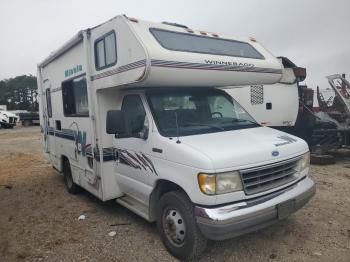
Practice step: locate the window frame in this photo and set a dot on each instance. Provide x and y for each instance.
(102, 38)
(151, 92)
(201, 36)
(48, 99)
(71, 80)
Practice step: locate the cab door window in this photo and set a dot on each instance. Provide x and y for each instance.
(134, 114)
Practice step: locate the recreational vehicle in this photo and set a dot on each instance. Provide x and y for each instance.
(131, 110)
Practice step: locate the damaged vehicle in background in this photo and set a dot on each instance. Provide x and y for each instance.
(7, 119)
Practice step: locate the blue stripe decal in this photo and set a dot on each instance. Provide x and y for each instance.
(136, 160)
(108, 153)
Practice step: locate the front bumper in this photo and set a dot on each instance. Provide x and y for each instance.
(247, 216)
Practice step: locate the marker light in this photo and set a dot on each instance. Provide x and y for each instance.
(133, 20)
(252, 39)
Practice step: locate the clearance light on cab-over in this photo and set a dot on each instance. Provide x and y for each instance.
(252, 39)
(133, 19)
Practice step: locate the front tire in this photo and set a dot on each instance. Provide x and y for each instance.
(68, 179)
(178, 228)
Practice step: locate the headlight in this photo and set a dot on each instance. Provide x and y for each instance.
(304, 162)
(220, 183)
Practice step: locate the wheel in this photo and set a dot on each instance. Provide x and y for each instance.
(68, 179)
(178, 228)
(316, 159)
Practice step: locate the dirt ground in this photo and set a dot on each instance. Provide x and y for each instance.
(39, 219)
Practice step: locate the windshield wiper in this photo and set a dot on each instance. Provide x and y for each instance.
(240, 120)
(206, 125)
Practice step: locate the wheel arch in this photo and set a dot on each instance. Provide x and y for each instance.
(161, 187)
(63, 158)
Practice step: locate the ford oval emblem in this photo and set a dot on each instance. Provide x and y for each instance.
(275, 153)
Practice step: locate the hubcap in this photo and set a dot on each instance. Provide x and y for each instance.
(174, 226)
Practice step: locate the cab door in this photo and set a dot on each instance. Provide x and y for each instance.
(133, 166)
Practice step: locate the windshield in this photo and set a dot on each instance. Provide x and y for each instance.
(202, 44)
(191, 112)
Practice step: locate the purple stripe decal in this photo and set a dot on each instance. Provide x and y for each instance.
(150, 162)
(120, 69)
(127, 161)
(144, 161)
(200, 66)
(136, 160)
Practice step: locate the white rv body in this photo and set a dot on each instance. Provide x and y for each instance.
(274, 105)
(139, 170)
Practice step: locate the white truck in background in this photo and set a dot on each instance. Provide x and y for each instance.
(133, 111)
(7, 119)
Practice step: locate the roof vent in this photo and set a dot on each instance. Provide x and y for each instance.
(175, 24)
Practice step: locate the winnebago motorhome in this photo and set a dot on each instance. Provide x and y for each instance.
(130, 110)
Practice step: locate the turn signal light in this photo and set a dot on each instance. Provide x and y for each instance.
(133, 20)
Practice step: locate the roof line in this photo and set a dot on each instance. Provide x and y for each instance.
(76, 39)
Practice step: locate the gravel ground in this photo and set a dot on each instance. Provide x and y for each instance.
(39, 219)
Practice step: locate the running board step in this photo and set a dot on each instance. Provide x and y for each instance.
(135, 206)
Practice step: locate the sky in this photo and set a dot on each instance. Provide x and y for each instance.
(312, 33)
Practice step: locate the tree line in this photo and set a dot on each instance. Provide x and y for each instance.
(19, 93)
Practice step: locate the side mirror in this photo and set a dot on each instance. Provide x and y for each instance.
(115, 122)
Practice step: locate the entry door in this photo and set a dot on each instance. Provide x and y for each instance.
(47, 114)
(133, 166)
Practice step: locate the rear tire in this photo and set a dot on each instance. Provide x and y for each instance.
(72, 188)
(178, 228)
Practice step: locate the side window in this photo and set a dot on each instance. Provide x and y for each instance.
(105, 51)
(134, 113)
(75, 97)
(48, 102)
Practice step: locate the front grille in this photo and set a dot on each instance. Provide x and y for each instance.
(11, 120)
(259, 179)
